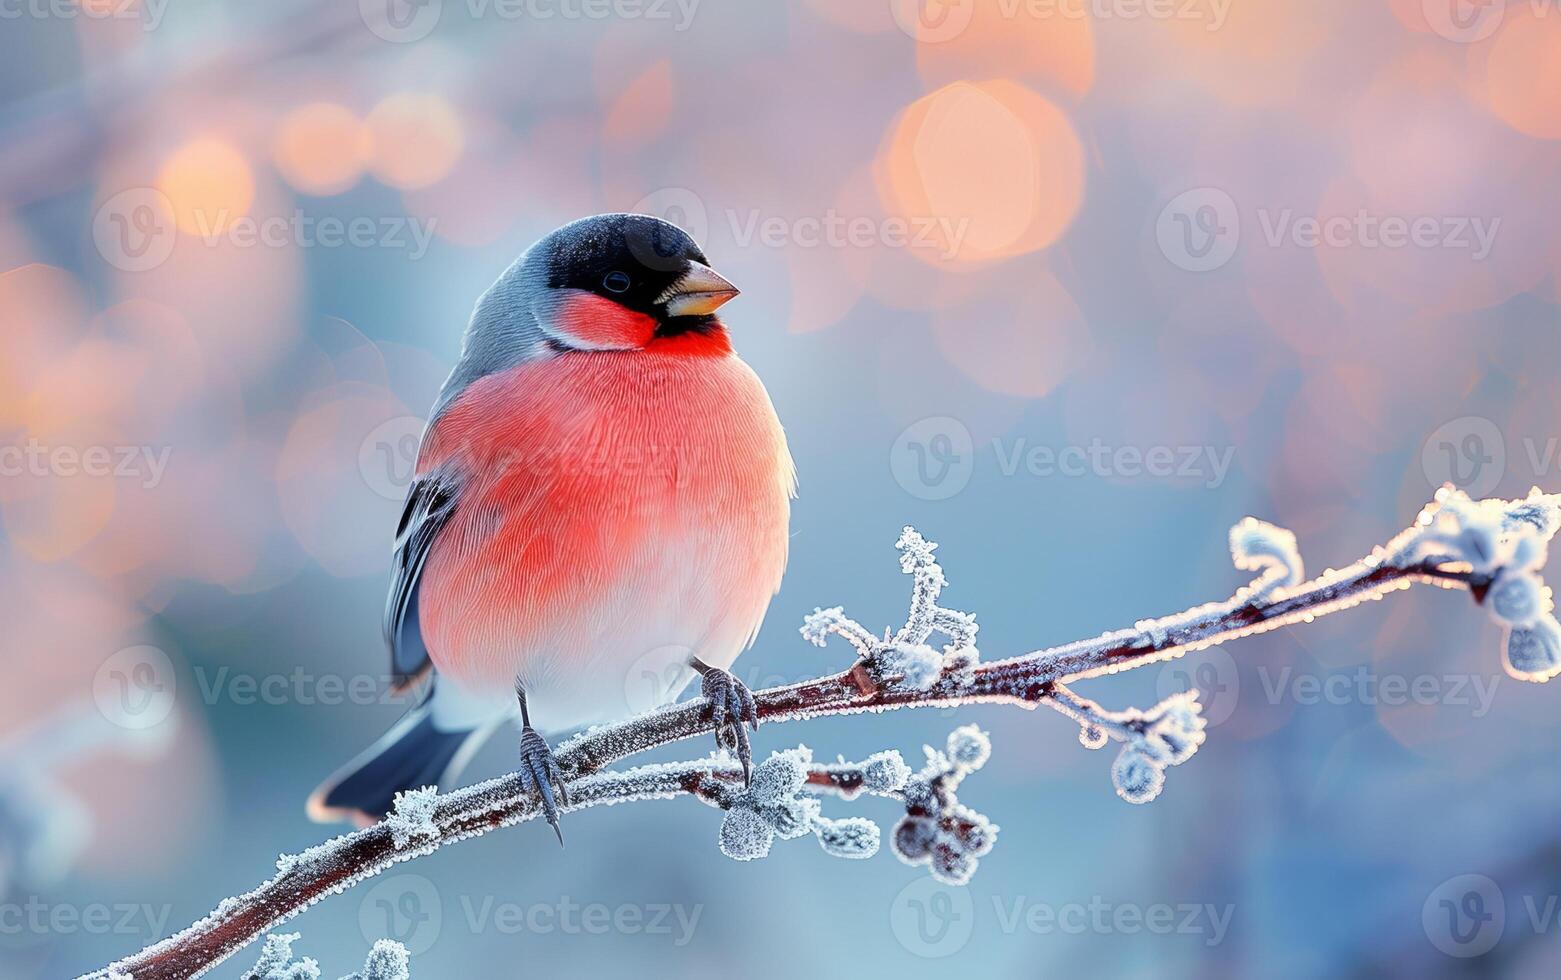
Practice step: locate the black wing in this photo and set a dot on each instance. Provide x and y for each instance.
(430, 503)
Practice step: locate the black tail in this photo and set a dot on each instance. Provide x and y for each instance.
(413, 754)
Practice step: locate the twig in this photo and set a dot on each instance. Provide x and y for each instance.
(1492, 548)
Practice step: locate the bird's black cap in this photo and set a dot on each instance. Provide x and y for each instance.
(633, 259)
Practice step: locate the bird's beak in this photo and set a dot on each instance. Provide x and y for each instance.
(702, 290)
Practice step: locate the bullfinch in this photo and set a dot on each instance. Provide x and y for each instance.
(602, 492)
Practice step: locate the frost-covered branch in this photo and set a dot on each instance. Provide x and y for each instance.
(388, 960)
(1495, 549)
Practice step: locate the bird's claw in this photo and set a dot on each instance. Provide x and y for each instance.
(731, 704)
(539, 773)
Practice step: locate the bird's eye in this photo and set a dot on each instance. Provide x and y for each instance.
(616, 282)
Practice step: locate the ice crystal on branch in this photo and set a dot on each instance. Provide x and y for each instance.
(904, 658)
(388, 960)
(776, 804)
(817, 627)
(412, 817)
(1517, 599)
(1533, 653)
(853, 838)
(1539, 510)
(882, 774)
(917, 561)
(772, 806)
(1505, 544)
(937, 830)
(1492, 536)
(276, 961)
(968, 748)
(885, 772)
(915, 665)
(1166, 735)
(1258, 546)
(1093, 737)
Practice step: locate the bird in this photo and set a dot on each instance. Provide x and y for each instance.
(602, 491)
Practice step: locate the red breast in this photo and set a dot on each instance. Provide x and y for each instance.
(593, 477)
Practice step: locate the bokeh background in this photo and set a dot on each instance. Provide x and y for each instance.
(1001, 261)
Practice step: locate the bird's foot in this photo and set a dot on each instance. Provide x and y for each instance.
(539, 774)
(731, 704)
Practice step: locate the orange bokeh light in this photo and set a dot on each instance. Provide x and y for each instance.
(414, 139)
(1258, 52)
(997, 167)
(1523, 73)
(55, 497)
(319, 148)
(209, 184)
(642, 109)
(43, 312)
(1053, 45)
(863, 18)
